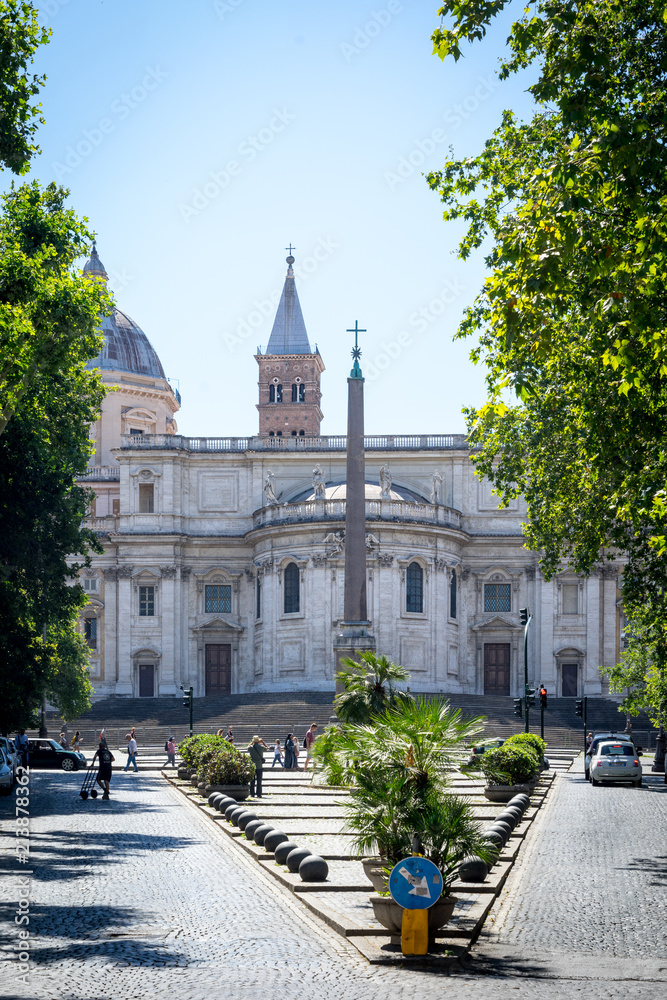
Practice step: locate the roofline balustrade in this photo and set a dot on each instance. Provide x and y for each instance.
(373, 442)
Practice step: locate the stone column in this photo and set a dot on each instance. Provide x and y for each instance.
(124, 685)
(354, 637)
(170, 621)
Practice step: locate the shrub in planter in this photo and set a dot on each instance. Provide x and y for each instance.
(530, 740)
(510, 765)
(227, 766)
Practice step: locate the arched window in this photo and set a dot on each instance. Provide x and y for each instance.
(295, 393)
(302, 393)
(414, 589)
(452, 596)
(291, 588)
(272, 394)
(279, 394)
(302, 433)
(271, 434)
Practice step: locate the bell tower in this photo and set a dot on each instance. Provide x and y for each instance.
(289, 372)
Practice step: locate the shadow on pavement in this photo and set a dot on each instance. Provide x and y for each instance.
(61, 855)
(93, 932)
(656, 867)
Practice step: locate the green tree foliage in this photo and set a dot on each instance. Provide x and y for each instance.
(572, 318)
(20, 36)
(641, 675)
(369, 688)
(49, 401)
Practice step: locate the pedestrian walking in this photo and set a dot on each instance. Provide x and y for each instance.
(106, 758)
(309, 741)
(170, 747)
(256, 755)
(230, 735)
(589, 740)
(131, 752)
(21, 743)
(220, 732)
(77, 741)
(277, 755)
(290, 754)
(64, 742)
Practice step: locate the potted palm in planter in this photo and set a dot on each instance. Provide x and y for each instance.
(399, 766)
(510, 769)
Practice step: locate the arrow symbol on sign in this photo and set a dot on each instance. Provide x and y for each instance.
(418, 883)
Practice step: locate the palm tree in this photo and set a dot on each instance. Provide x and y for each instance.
(400, 769)
(369, 688)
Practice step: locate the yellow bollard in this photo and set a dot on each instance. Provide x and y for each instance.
(414, 932)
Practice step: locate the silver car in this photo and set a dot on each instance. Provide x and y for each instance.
(615, 760)
(10, 753)
(6, 775)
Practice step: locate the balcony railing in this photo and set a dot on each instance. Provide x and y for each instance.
(97, 473)
(376, 510)
(102, 525)
(387, 442)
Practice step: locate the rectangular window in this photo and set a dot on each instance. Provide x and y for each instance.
(146, 498)
(497, 597)
(90, 584)
(219, 600)
(302, 393)
(135, 430)
(295, 393)
(570, 599)
(90, 632)
(115, 506)
(147, 602)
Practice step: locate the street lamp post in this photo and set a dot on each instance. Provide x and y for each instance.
(660, 747)
(526, 619)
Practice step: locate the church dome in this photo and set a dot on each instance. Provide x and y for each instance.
(126, 348)
(372, 492)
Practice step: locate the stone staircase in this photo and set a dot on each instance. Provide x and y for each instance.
(272, 715)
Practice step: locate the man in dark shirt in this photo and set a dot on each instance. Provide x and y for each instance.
(106, 758)
(256, 755)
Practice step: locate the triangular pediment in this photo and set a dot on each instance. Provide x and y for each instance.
(498, 621)
(217, 625)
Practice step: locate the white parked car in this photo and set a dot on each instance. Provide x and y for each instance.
(6, 775)
(615, 760)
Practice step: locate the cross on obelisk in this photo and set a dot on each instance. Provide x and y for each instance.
(354, 637)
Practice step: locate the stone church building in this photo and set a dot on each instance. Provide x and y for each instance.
(223, 558)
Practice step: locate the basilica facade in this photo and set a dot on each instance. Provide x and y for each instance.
(223, 561)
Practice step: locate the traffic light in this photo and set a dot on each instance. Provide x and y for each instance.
(543, 701)
(518, 707)
(530, 696)
(579, 707)
(187, 698)
(523, 616)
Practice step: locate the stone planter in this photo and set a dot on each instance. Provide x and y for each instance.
(388, 913)
(237, 792)
(503, 793)
(184, 773)
(194, 780)
(374, 872)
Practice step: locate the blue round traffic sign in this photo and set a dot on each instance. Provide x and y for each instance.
(415, 883)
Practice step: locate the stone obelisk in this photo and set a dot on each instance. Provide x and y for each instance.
(354, 637)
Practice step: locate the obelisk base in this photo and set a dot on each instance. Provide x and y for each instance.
(352, 639)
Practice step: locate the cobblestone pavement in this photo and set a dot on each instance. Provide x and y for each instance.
(592, 881)
(141, 897)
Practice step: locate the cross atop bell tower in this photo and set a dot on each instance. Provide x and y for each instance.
(289, 372)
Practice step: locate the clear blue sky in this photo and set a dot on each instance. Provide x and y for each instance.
(201, 138)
